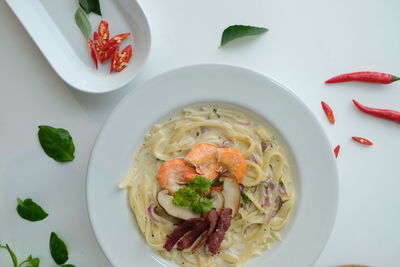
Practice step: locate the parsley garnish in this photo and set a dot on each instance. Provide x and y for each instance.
(200, 184)
(192, 195)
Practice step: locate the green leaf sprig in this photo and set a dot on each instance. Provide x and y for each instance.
(57, 143)
(29, 262)
(90, 6)
(30, 211)
(83, 23)
(193, 195)
(238, 31)
(58, 249)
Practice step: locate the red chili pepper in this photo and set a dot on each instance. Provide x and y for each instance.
(98, 45)
(118, 38)
(114, 59)
(328, 111)
(336, 151)
(364, 76)
(110, 51)
(387, 114)
(362, 141)
(92, 52)
(123, 59)
(103, 31)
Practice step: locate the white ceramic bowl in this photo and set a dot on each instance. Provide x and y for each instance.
(315, 180)
(52, 26)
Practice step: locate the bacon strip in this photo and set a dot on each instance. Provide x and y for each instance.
(216, 238)
(192, 236)
(212, 218)
(180, 231)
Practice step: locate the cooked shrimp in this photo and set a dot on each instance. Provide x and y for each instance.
(174, 173)
(233, 161)
(204, 158)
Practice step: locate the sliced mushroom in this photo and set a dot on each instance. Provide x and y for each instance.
(217, 199)
(161, 212)
(165, 201)
(231, 193)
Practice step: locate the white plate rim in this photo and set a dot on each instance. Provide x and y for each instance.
(335, 189)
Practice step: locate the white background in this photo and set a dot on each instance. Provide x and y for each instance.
(308, 42)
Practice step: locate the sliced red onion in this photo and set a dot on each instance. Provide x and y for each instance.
(152, 214)
(253, 158)
(265, 145)
(278, 205)
(267, 203)
(204, 129)
(241, 187)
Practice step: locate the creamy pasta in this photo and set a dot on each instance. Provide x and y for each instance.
(268, 195)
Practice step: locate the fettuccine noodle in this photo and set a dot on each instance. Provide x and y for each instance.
(257, 224)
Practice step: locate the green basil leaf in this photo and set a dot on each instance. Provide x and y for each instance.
(83, 22)
(34, 262)
(67, 265)
(30, 211)
(12, 255)
(58, 249)
(56, 143)
(90, 6)
(237, 31)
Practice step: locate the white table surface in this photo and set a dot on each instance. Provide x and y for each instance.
(308, 42)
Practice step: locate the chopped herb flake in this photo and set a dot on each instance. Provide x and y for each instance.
(216, 113)
(245, 198)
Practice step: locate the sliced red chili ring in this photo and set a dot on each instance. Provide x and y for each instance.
(114, 59)
(123, 58)
(103, 31)
(92, 52)
(362, 141)
(118, 38)
(328, 112)
(336, 151)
